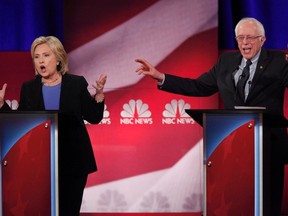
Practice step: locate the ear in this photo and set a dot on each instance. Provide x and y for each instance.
(263, 39)
(59, 66)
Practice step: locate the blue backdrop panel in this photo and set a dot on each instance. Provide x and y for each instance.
(21, 21)
(273, 14)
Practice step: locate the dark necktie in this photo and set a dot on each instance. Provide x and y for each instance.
(243, 80)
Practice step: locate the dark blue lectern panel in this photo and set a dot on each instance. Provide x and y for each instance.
(28, 150)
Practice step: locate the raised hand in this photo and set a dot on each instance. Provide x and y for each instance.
(99, 86)
(148, 70)
(2, 95)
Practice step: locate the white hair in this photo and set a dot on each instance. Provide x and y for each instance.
(259, 25)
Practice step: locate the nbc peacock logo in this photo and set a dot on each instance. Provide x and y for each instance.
(174, 113)
(135, 112)
(106, 116)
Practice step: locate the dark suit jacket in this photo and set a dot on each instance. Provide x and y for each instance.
(267, 88)
(76, 155)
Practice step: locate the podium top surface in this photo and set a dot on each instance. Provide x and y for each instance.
(273, 120)
(28, 112)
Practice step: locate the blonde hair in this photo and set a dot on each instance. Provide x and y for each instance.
(56, 47)
(259, 25)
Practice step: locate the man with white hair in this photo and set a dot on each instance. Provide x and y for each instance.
(252, 76)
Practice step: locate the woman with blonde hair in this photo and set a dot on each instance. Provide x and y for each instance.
(54, 89)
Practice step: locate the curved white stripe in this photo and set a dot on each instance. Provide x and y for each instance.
(153, 34)
(180, 184)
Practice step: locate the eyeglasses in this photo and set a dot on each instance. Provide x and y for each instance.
(252, 39)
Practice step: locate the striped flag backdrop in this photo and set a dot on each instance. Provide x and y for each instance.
(149, 152)
(147, 148)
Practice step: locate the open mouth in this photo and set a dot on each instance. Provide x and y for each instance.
(42, 68)
(246, 50)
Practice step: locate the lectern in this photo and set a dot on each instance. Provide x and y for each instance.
(29, 163)
(233, 159)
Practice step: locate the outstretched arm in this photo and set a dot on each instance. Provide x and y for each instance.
(2, 95)
(148, 70)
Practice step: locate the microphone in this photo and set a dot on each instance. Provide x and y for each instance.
(249, 83)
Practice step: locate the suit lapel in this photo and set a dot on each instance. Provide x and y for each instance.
(260, 69)
(38, 91)
(232, 69)
(261, 65)
(63, 92)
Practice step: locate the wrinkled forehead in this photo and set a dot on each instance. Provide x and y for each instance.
(248, 28)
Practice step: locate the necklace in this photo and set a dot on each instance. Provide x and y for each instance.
(47, 83)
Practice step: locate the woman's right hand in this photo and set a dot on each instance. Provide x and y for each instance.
(2, 95)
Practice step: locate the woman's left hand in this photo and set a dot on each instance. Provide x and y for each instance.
(99, 86)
